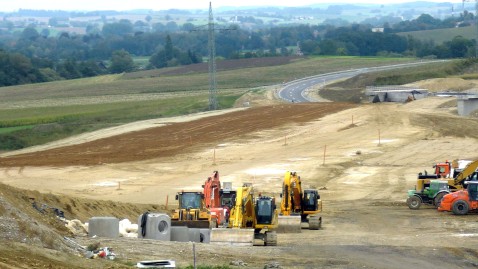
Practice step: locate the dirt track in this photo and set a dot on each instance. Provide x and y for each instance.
(363, 160)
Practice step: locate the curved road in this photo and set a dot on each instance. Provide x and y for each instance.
(295, 91)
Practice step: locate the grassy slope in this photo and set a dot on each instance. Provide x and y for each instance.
(59, 109)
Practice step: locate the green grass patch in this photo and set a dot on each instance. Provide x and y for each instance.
(14, 129)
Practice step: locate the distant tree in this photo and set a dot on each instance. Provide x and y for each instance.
(68, 69)
(121, 61)
(17, 69)
(121, 28)
(30, 33)
(45, 33)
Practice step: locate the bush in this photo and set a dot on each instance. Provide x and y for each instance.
(10, 142)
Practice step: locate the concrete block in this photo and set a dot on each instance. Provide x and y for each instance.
(194, 235)
(103, 227)
(155, 226)
(205, 235)
(179, 234)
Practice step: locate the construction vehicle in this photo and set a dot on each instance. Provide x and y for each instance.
(192, 211)
(252, 221)
(212, 199)
(431, 191)
(298, 206)
(461, 202)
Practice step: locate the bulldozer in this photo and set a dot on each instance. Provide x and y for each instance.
(252, 221)
(192, 211)
(448, 177)
(298, 206)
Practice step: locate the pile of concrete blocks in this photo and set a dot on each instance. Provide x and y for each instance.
(157, 226)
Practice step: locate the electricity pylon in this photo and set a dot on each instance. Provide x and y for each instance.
(211, 44)
(212, 61)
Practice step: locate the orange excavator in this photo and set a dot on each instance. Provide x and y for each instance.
(213, 199)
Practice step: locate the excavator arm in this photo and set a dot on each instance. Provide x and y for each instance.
(291, 194)
(467, 171)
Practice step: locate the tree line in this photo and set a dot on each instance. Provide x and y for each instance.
(33, 56)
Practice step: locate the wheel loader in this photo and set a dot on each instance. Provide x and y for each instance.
(298, 206)
(431, 188)
(461, 202)
(192, 211)
(252, 221)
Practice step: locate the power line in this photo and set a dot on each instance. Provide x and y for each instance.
(211, 28)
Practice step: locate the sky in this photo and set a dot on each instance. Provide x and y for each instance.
(88, 5)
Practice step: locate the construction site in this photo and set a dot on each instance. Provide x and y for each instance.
(356, 162)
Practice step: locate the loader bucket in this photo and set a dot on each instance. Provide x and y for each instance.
(289, 224)
(232, 236)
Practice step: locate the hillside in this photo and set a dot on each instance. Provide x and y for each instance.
(362, 158)
(439, 36)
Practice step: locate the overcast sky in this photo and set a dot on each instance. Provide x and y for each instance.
(84, 5)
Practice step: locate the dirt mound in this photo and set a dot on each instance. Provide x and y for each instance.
(446, 85)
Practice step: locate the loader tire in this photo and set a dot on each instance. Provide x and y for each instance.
(414, 202)
(460, 207)
(438, 198)
(315, 222)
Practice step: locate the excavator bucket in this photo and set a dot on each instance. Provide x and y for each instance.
(289, 224)
(232, 236)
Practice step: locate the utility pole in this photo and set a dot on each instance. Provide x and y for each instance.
(212, 61)
(211, 44)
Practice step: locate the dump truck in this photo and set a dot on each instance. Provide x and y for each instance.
(192, 211)
(430, 188)
(298, 206)
(463, 201)
(252, 221)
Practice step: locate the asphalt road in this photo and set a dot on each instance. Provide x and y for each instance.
(295, 91)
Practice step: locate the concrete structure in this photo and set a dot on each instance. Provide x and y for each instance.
(155, 226)
(103, 227)
(205, 235)
(394, 93)
(180, 234)
(466, 104)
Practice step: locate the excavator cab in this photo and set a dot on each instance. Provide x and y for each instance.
(310, 201)
(265, 207)
(189, 200)
(191, 211)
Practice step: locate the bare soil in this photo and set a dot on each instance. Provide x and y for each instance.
(362, 158)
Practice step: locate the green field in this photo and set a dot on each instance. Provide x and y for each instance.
(442, 35)
(38, 113)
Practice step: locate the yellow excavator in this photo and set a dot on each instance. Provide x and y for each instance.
(298, 206)
(252, 221)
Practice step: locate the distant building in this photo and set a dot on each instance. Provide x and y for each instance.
(378, 29)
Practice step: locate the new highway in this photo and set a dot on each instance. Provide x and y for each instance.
(295, 91)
